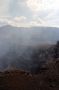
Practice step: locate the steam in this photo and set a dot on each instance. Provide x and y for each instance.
(17, 45)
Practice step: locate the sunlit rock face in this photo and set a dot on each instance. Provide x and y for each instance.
(26, 48)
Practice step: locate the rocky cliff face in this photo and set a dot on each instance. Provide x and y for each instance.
(46, 79)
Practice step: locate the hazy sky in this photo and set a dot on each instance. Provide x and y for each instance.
(24, 13)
